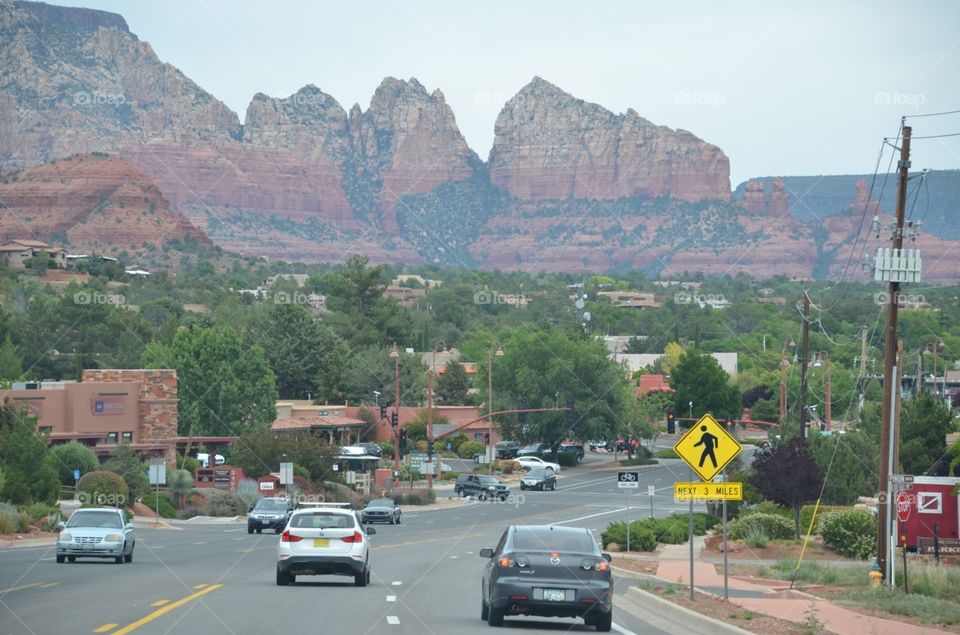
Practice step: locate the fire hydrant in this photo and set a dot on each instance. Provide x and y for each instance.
(875, 576)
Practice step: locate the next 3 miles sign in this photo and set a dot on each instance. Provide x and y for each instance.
(707, 448)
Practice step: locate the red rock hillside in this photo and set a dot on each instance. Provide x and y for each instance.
(90, 203)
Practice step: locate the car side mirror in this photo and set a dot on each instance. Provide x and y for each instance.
(371, 531)
(61, 525)
(486, 552)
(607, 557)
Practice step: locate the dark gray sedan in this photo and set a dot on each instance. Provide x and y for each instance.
(541, 478)
(381, 510)
(547, 571)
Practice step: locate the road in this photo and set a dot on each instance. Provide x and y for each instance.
(215, 578)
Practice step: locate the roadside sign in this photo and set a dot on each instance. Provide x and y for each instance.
(707, 447)
(903, 507)
(629, 480)
(651, 490)
(76, 475)
(708, 491)
(157, 473)
(286, 473)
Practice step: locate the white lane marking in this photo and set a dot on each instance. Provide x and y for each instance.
(393, 619)
(573, 520)
(621, 629)
(451, 557)
(230, 531)
(46, 559)
(396, 583)
(236, 539)
(201, 543)
(391, 598)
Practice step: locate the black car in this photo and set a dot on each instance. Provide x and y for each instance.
(507, 450)
(372, 448)
(541, 478)
(534, 449)
(575, 449)
(381, 510)
(269, 513)
(480, 485)
(547, 571)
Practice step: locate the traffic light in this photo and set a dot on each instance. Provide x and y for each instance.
(394, 419)
(383, 412)
(728, 422)
(671, 423)
(403, 442)
(570, 418)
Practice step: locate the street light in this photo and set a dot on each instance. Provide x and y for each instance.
(490, 354)
(430, 372)
(396, 409)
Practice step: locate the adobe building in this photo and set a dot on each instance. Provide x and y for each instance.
(106, 408)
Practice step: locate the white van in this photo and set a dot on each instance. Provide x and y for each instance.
(204, 459)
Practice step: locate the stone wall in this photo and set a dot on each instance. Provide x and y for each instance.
(156, 400)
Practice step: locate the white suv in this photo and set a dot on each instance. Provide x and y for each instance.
(527, 462)
(324, 541)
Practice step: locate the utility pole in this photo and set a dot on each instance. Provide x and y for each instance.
(862, 379)
(827, 406)
(803, 365)
(888, 432)
(430, 420)
(783, 387)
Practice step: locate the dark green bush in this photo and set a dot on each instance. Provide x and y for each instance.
(642, 536)
(415, 497)
(101, 488)
(166, 507)
(806, 513)
(68, 457)
(468, 449)
(769, 507)
(565, 459)
(850, 532)
(774, 526)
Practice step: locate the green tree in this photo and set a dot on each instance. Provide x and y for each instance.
(226, 386)
(698, 378)
(453, 385)
(926, 420)
(362, 314)
(11, 365)
(126, 463)
(372, 369)
(261, 452)
(333, 376)
(24, 459)
(417, 429)
(852, 460)
(788, 475)
(68, 457)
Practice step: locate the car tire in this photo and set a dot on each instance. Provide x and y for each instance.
(604, 622)
(503, 497)
(459, 492)
(484, 610)
(283, 579)
(495, 616)
(249, 530)
(60, 559)
(259, 530)
(119, 559)
(362, 578)
(393, 521)
(553, 486)
(129, 557)
(71, 559)
(481, 496)
(398, 520)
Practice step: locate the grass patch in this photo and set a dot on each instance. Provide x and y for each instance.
(666, 454)
(928, 610)
(637, 461)
(816, 573)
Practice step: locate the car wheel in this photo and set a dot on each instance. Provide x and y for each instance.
(503, 497)
(481, 496)
(283, 578)
(398, 520)
(249, 530)
(362, 578)
(553, 486)
(259, 530)
(459, 492)
(71, 558)
(119, 559)
(60, 559)
(604, 622)
(393, 520)
(484, 611)
(129, 556)
(495, 616)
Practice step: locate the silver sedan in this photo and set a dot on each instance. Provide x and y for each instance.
(96, 533)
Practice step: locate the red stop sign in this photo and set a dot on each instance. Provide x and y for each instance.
(903, 507)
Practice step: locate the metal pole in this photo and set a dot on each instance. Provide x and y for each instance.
(490, 408)
(805, 353)
(430, 420)
(691, 548)
(726, 595)
(628, 520)
(888, 507)
(651, 503)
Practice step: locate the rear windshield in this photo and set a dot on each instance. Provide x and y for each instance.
(547, 540)
(107, 520)
(322, 520)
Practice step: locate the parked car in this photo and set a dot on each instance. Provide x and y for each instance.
(269, 513)
(564, 575)
(482, 486)
(324, 540)
(96, 533)
(372, 449)
(203, 459)
(507, 449)
(445, 467)
(532, 449)
(381, 510)
(527, 462)
(575, 449)
(541, 478)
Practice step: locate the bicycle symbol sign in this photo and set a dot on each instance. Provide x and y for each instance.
(628, 479)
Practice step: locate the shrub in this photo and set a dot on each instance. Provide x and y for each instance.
(188, 463)
(756, 536)
(102, 488)
(165, 506)
(850, 532)
(415, 497)
(666, 454)
(642, 536)
(566, 459)
(449, 476)
(774, 526)
(249, 490)
(7, 523)
(806, 513)
(52, 522)
(36, 511)
(9, 509)
(506, 466)
(702, 523)
(637, 461)
(672, 532)
(224, 504)
(68, 457)
(23, 523)
(470, 448)
(775, 509)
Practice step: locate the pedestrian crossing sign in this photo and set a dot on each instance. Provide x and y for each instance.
(707, 447)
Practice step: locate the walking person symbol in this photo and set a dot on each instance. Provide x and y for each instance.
(709, 442)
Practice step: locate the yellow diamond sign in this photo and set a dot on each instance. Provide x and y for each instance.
(707, 447)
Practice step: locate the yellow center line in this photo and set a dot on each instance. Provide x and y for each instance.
(129, 628)
(48, 585)
(160, 602)
(105, 628)
(201, 586)
(20, 588)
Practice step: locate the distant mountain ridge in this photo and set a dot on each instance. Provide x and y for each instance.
(568, 184)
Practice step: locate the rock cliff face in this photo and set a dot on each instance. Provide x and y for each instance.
(550, 145)
(91, 203)
(756, 200)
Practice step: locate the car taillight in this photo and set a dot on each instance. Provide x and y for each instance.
(356, 537)
(288, 537)
(603, 565)
(588, 563)
(506, 562)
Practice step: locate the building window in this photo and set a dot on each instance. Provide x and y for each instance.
(127, 437)
(45, 429)
(112, 438)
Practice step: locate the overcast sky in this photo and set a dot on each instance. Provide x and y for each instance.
(784, 88)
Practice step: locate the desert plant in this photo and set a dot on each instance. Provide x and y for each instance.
(8, 508)
(179, 484)
(52, 522)
(8, 524)
(756, 536)
(224, 504)
(850, 532)
(36, 511)
(102, 488)
(774, 526)
(23, 523)
(249, 491)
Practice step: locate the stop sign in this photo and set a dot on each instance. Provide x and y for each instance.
(903, 507)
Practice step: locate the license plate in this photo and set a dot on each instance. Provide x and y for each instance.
(554, 595)
(321, 542)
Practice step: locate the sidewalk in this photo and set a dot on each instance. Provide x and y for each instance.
(770, 597)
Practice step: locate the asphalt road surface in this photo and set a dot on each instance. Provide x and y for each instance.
(215, 578)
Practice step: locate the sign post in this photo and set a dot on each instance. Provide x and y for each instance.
(707, 447)
(157, 476)
(651, 490)
(628, 481)
(286, 476)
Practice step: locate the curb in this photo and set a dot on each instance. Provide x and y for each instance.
(9, 545)
(690, 620)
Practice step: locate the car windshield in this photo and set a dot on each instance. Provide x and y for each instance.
(488, 480)
(538, 472)
(381, 502)
(322, 520)
(545, 539)
(104, 519)
(265, 505)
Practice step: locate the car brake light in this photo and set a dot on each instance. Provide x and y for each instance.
(603, 565)
(288, 537)
(356, 537)
(506, 562)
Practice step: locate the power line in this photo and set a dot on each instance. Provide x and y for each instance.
(932, 114)
(939, 136)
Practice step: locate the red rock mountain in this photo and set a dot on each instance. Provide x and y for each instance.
(550, 145)
(92, 203)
